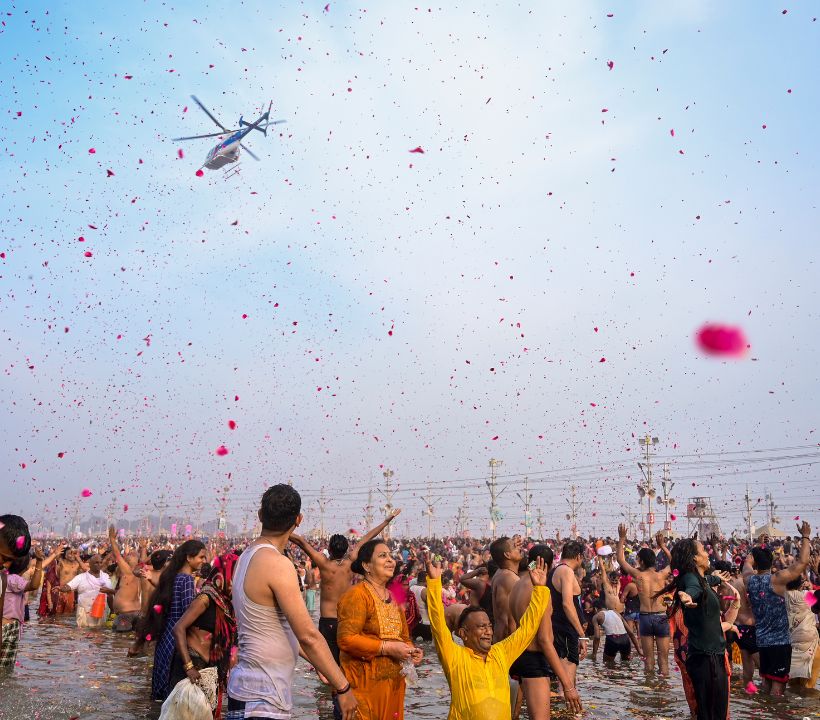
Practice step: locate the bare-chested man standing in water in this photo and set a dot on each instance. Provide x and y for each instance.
(506, 553)
(126, 602)
(540, 661)
(68, 567)
(747, 638)
(653, 622)
(335, 576)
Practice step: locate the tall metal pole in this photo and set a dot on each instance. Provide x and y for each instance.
(494, 495)
(540, 521)
(526, 498)
(430, 502)
(573, 513)
(162, 506)
(647, 488)
(322, 504)
(388, 493)
(750, 527)
(368, 511)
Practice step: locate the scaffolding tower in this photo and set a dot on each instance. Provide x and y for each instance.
(702, 519)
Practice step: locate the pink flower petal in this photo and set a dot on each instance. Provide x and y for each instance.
(21, 541)
(232, 424)
(418, 150)
(199, 173)
(91, 151)
(86, 492)
(222, 451)
(722, 340)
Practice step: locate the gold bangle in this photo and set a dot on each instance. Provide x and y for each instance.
(188, 665)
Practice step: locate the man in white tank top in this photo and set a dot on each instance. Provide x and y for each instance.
(273, 622)
(618, 635)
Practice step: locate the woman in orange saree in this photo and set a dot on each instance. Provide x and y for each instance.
(373, 637)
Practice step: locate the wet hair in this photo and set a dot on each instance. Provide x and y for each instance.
(571, 550)
(795, 584)
(465, 614)
(365, 555)
(498, 549)
(763, 558)
(337, 546)
(492, 568)
(19, 566)
(647, 558)
(12, 528)
(280, 507)
(683, 561)
(154, 622)
(158, 558)
(544, 552)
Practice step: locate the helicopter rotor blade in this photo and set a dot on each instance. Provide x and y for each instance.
(248, 151)
(207, 112)
(197, 137)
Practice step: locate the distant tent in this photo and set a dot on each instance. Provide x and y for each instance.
(769, 530)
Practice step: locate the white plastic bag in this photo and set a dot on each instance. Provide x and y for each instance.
(186, 702)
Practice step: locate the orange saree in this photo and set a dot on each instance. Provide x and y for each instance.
(365, 620)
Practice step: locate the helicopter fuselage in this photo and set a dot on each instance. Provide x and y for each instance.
(224, 153)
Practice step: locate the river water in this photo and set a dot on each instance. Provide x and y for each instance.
(65, 673)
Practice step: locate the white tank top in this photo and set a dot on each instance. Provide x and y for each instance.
(268, 650)
(422, 606)
(613, 624)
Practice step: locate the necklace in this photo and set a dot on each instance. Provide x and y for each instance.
(376, 589)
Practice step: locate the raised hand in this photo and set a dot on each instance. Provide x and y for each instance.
(538, 574)
(804, 529)
(660, 539)
(394, 513)
(433, 568)
(622, 532)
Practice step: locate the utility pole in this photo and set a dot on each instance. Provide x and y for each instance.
(368, 510)
(322, 504)
(750, 526)
(388, 494)
(770, 510)
(646, 489)
(540, 521)
(222, 522)
(572, 516)
(198, 510)
(429, 501)
(526, 498)
(667, 501)
(162, 506)
(630, 521)
(461, 518)
(495, 493)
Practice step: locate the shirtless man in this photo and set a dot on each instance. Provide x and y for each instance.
(506, 554)
(335, 576)
(68, 567)
(653, 622)
(126, 602)
(746, 639)
(568, 631)
(540, 661)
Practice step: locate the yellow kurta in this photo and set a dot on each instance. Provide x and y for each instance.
(364, 621)
(480, 688)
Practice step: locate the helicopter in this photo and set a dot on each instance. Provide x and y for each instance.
(227, 151)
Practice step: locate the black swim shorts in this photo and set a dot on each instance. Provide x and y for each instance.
(567, 647)
(775, 662)
(531, 664)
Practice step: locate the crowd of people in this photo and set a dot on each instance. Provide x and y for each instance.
(510, 619)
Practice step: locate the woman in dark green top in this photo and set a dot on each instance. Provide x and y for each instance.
(706, 651)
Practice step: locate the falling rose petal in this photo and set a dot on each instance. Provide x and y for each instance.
(495, 437)
(811, 597)
(180, 153)
(86, 492)
(199, 173)
(148, 637)
(60, 454)
(675, 573)
(232, 424)
(21, 541)
(109, 173)
(672, 132)
(610, 64)
(91, 151)
(673, 517)
(604, 110)
(157, 609)
(88, 253)
(222, 451)
(418, 149)
(796, 517)
(751, 688)
(722, 340)
(125, 508)
(603, 359)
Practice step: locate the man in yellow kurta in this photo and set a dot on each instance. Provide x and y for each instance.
(478, 673)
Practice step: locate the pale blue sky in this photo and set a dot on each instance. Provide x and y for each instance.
(529, 205)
